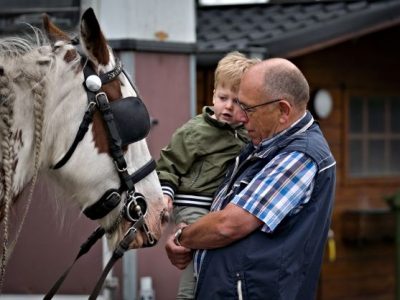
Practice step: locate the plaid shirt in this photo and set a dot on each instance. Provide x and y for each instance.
(281, 188)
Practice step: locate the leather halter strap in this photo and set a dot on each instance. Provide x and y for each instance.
(112, 198)
(88, 117)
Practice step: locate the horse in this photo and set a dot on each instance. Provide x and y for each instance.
(68, 110)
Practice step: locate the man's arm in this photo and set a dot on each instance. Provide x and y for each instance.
(214, 230)
(220, 228)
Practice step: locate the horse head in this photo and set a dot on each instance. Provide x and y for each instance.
(48, 93)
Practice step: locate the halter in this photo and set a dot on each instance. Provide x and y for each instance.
(127, 121)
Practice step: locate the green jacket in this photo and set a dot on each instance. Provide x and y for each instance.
(194, 163)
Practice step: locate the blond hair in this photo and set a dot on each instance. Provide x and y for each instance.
(230, 69)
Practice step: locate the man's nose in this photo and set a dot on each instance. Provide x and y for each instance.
(242, 116)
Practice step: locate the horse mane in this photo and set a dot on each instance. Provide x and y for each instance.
(12, 49)
(13, 68)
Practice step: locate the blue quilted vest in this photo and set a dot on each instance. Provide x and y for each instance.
(284, 264)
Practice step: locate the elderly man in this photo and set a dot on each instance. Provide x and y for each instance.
(266, 233)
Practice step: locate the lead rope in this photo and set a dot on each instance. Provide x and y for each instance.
(122, 247)
(85, 247)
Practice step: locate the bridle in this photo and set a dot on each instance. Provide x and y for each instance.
(127, 121)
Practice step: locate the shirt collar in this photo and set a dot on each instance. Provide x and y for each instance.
(307, 117)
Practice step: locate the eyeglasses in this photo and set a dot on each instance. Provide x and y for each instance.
(249, 109)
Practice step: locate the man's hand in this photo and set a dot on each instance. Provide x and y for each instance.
(179, 256)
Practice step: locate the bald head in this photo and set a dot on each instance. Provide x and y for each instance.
(279, 78)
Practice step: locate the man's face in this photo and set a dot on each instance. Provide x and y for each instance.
(263, 121)
(225, 109)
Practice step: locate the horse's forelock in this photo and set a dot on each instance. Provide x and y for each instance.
(15, 47)
(28, 53)
(18, 46)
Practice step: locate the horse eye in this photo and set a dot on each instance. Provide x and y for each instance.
(43, 61)
(58, 45)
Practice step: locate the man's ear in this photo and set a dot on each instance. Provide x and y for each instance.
(285, 109)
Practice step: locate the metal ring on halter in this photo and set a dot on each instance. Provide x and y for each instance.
(101, 94)
(112, 194)
(135, 207)
(129, 231)
(118, 169)
(91, 105)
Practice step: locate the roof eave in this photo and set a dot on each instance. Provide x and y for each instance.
(210, 57)
(332, 33)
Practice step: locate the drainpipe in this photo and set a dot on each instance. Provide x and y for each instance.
(111, 282)
(394, 202)
(129, 260)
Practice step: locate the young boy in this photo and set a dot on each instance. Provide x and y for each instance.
(194, 163)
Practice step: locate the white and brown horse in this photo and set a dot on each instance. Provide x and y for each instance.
(42, 104)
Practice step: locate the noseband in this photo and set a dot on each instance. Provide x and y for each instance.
(127, 121)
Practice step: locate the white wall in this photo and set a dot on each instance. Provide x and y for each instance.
(143, 19)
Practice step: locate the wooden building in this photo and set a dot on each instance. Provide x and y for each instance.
(351, 49)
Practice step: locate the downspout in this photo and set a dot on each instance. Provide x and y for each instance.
(394, 203)
(129, 260)
(111, 282)
(192, 88)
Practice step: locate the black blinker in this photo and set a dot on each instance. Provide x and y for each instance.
(132, 119)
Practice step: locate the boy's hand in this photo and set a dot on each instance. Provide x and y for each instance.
(168, 200)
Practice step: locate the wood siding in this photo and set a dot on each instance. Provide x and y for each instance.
(364, 267)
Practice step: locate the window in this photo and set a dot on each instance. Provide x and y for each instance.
(373, 136)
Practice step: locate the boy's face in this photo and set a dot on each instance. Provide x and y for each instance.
(225, 110)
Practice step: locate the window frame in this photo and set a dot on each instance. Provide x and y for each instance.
(370, 180)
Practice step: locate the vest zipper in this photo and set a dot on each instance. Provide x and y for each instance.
(239, 287)
(237, 167)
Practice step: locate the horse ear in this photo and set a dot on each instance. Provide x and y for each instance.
(52, 31)
(93, 38)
